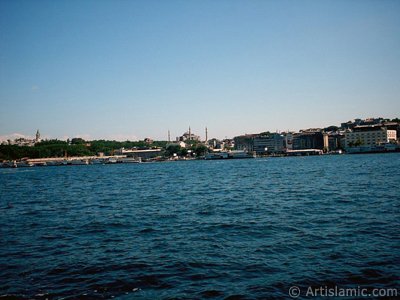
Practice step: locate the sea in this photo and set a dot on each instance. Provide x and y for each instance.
(223, 229)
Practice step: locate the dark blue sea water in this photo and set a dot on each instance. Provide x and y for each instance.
(234, 229)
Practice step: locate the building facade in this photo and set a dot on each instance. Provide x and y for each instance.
(244, 142)
(309, 140)
(273, 143)
(369, 136)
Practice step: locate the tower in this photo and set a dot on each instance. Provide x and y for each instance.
(206, 134)
(37, 136)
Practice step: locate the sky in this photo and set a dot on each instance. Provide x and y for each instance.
(135, 69)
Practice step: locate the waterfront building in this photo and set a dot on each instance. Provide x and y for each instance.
(310, 140)
(369, 136)
(288, 140)
(228, 143)
(393, 126)
(267, 144)
(336, 141)
(215, 144)
(245, 142)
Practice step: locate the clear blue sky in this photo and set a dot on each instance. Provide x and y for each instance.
(126, 69)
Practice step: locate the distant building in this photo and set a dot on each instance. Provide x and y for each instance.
(369, 136)
(188, 136)
(266, 144)
(245, 142)
(336, 141)
(359, 122)
(288, 140)
(229, 143)
(37, 139)
(148, 141)
(215, 144)
(309, 140)
(24, 141)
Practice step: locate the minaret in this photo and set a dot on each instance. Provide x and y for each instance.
(169, 137)
(37, 136)
(206, 135)
(190, 134)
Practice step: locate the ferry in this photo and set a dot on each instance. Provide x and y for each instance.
(240, 154)
(111, 160)
(79, 162)
(9, 164)
(52, 163)
(23, 164)
(129, 160)
(216, 155)
(234, 154)
(96, 161)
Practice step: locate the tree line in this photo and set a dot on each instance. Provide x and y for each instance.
(80, 147)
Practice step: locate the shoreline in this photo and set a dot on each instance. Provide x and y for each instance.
(121, 159)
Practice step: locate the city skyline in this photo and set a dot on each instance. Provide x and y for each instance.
(175, 137)
(130, 70)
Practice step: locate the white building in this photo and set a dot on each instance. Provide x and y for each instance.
(369, 136)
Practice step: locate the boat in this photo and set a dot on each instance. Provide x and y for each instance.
(96, 161)
(234, 154)
(79, 162)
(240, 154)
(23, 164)
(129, 160)
(9, 164)
(111, 160)
(52, 163)
(216, 155)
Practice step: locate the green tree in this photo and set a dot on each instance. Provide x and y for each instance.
(171, 149)
(77, 141)
(200, 150)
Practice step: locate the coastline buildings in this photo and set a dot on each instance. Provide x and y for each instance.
(358, 136)
(368, 135)
(336, 141)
